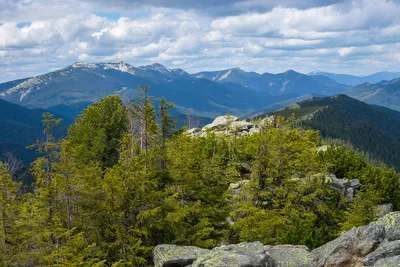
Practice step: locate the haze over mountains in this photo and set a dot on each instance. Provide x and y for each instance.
(384, 93)
(353, 80)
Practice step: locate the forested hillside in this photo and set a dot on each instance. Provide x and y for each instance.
(125, 180)
(21, 127)
(369, 128)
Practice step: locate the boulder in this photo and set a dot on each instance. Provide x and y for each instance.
(290, 255)
(388, 262)
(391, 223)
(335, 182)
(349, 193)
(350, 248)
(236, 188)
(241, 125)
(322, 148)
(243, 133)
(383, 209)
(240, 255)
(254, 130)
(172, 255)
(385, 250)
(244, 168)
(220, 122)
(193, 131)
(355, 183)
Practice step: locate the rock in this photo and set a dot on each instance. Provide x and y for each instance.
(350, 248)
(193, 131)
(391, 222)
(220, 122)
(237, 188)
(385, 250)
(241, 125)
(349, 193)
(334, 182)
(322, 148)
(355, 184)
(384, 209)
(388, 262)
(244, 168)
(254, 130)
(172, 255)
(289, 255)
(240, 255)
(268, 121)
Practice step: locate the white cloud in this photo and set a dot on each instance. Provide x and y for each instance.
(254, 34)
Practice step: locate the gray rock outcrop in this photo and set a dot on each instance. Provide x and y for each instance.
(384, 209)
(350, 247)
(385, 250)
(240, 255)
(376, 244)
(232, 125)
(391, 222)
(388, 262)
(172, 255)
(289, 255)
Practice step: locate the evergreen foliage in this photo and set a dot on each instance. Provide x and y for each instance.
(123, 181)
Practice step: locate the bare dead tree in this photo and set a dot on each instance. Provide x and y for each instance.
(192, 119)
(14, 165)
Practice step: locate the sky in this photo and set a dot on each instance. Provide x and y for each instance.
(342, 36)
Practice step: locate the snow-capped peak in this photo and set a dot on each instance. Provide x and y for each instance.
(156, 67)
(78, 65)
(316, 72)
(237, 69)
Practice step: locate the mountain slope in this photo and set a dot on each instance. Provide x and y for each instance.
(385, 93)
(369, 128)
(292, 82)
(7, 85)
(235, 75)
(21, 127)
(353, 80)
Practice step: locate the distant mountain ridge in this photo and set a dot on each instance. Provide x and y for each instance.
(353, 80)
(209, 93)
(288, 82)
(384, 93)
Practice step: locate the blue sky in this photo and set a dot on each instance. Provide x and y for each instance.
(357, 37)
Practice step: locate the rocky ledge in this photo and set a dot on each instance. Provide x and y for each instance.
(376, 244)
(232, 125)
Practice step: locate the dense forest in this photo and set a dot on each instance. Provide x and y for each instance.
(370, 129)
(124, 180)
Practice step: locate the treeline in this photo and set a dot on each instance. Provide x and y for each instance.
(124, 180)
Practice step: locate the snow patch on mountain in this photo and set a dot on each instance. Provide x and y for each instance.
(225, 76)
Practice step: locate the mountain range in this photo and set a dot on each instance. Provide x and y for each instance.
(234, 90)
(353, 80)
(384, 93)
(210, 93)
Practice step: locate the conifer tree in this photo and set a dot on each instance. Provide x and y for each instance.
(95, 134)
(8, 213)
(143, 110)
(167, 124)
